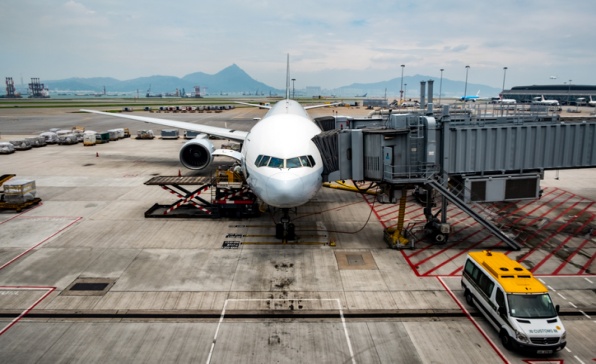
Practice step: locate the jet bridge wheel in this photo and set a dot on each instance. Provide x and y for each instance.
(434, 231)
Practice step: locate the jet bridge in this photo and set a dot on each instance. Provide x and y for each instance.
(468, 160)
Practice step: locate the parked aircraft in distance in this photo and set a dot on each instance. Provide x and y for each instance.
(507, 101)
(592, 102)
(472, 98)
(541, 101)
(281, 164)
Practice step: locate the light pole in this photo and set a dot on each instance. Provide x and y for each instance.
(405, 91)
(466, 86)
(401, 88)
(441, 85)
(504, 74)
(293, 89)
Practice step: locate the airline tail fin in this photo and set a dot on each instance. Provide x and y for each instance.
(288, 79)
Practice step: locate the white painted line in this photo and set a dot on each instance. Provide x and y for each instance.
(223, 313)
(578, 359)
(563, 297)
(540, 279)
(566, 348)
(343, 321)
(571, 303)
(221, 317)
(588, 280)
(552, 289)
(585, 314)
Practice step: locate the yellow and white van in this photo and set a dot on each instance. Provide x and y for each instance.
(514, 302)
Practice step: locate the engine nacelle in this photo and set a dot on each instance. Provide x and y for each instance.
(197, 153)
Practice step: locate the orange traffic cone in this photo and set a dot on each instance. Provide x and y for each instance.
(179, 174)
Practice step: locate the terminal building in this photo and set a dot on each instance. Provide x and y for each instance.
(565, 94)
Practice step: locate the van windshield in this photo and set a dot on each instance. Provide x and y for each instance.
(531, 306)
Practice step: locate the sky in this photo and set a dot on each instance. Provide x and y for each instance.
(332, 43)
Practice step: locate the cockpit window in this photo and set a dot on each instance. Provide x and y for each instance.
(305, 161)
(262, 160)
(274, 162)
(293, 163)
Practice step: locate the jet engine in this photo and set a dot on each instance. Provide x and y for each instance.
(197, 153)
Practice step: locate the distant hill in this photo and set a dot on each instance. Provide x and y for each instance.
(412, 90)
(233, 80)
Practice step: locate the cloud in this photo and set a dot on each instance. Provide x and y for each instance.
(138, 38)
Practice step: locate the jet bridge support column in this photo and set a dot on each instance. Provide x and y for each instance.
(445, 147)
(395, 235)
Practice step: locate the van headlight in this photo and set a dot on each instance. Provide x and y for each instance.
(564, 336)
(521, 337)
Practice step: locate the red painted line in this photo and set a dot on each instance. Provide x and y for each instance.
(552, 252)
(528, 213)
(538, 246)
(412, 267)
(580, 247)
(18, 318)
(535, 220)
(457, 255)
(467, 313)
(585, 266)
(40, 243)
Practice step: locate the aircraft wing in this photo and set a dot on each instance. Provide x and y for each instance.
(321, 105)
(232, 134)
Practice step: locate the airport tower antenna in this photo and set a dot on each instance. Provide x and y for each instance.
(441, 85)
(288, 79)
(466, 85)
(401, 88)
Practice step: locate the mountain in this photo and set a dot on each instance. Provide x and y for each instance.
(230, 79)
(233, 80)
(411, 88)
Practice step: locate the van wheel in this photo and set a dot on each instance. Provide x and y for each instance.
(469, 297)
(506, 340)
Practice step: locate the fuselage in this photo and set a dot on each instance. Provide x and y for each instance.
(282, 165)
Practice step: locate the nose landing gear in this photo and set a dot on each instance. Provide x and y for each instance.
(285, 230)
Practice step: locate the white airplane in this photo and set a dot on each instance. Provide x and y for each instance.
(282, 165)
(592, 102)
(541, 101)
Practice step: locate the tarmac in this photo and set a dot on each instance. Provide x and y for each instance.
(165, 290)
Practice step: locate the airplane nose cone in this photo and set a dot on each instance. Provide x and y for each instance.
(285, 189)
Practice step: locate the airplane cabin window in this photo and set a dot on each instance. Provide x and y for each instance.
(312, 160)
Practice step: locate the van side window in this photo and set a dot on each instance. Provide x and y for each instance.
(470, 268)
(485, 284)
(500, 298)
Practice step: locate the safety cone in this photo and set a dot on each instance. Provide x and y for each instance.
(96, 154)
(179, 174)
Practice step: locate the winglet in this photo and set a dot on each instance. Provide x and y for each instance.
(288, 79)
